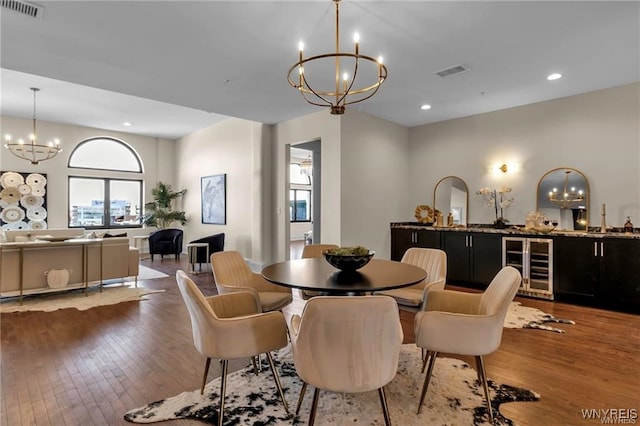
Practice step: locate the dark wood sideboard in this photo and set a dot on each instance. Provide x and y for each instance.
(599, 270)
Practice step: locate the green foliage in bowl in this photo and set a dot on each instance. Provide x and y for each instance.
(348, 251)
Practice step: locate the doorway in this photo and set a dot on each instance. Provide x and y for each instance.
(304, 196)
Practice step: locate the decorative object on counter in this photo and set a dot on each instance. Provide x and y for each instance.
(539, 222)
(439, 219)
(424, 214)
(603, 220)
(450, 220)
(497, 199)
(628, 226)
(348, 259)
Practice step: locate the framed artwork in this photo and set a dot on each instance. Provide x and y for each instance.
(214, 199)
(23, 200)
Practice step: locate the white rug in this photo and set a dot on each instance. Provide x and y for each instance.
(146, 273)
(49, 302)
(454, 398)
(519, 316)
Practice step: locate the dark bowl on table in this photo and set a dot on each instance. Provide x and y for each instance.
(348, 263)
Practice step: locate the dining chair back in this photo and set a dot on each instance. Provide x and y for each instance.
(231, 326)
(466, 324)
(348, 345)
(313, 251)
(232, 274)
(434, 262)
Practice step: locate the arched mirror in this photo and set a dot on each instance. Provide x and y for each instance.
(451, 194)
(563, 195)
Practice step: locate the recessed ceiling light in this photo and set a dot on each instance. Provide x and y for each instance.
(554, 76)
(126, 123)
(425, 107)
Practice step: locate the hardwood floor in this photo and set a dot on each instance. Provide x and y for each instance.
(89, 367)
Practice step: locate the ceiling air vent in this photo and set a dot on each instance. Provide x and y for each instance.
(453, 70)
(22, 7)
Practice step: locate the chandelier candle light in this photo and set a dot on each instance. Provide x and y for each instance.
(345, 91)
(568, 197)
(497, 199)
(32, 151)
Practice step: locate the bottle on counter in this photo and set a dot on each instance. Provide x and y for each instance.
(628, 226)
(439, 219)
(450, 219)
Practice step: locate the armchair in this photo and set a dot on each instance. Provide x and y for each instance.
(216, 244)
(166, 241)
(230, 326)
(434, 262)
(348, 345)
(231, 273)
(466, 324)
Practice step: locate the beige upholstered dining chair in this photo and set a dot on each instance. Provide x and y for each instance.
(434, 262)
(231, 274)
(231, 326)
(466, 324)
(346, 344)
(311, 251)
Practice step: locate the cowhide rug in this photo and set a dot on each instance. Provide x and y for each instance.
(50, 302)
(454, 398)
(519, 316)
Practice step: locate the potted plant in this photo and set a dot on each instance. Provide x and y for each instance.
(160, 212)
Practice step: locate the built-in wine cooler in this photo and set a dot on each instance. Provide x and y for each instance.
(533, 257)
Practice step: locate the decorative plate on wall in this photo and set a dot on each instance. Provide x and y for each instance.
(23, 194)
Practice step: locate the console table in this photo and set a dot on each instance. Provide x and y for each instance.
(27, 271)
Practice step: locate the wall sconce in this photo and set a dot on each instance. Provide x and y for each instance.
(499, 169)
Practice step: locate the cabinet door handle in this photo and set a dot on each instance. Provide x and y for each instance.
(595, 249)
(470, 240)
(602, 249)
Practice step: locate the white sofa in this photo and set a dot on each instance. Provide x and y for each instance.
(106, 258)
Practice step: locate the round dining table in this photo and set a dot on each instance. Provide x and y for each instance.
(318, 275)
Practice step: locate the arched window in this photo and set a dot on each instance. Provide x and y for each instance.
(110, 201)
(105, 153)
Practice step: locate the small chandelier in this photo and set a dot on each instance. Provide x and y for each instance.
(345, 91)
(307, 163)
(33, 151)
(569, 196)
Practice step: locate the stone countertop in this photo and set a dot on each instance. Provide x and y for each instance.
(515, 230)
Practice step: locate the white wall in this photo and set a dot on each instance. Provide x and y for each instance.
(320, 126)
(597, 133)
(157, 156)
(242, 150)
(374, 180)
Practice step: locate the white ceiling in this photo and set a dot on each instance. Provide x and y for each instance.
(172, 67)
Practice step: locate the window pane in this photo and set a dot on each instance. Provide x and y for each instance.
(105, 154)
(299, 205)
(124, 207)
(86, 202)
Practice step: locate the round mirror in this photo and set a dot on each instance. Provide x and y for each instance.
(451, 194)
(563, 195)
